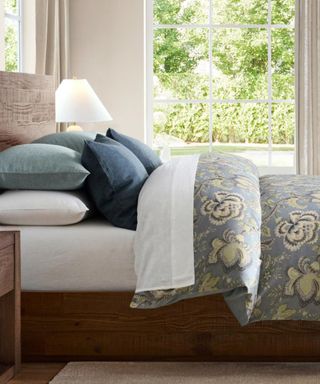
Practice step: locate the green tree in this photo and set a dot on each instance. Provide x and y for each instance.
(240, 59)
(11, 52)
(11, 37)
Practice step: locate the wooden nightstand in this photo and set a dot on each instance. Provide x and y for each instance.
(10, 327)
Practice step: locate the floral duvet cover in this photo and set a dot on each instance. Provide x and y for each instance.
(256, 241)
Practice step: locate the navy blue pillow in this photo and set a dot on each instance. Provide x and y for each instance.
(144, 153)
(116, 179)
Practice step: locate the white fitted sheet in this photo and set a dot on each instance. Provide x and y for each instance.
(89, 256)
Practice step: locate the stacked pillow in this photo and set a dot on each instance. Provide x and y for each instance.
(38, 178)
(42, 167)
(119, 166)
(116, 178)
(144, 153)
(72, 140)
(43, 207)
(113, 169)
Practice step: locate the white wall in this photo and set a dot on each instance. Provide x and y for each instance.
(107, 48)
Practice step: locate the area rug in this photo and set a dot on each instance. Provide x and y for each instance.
(188, 373)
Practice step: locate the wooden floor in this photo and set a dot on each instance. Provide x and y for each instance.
(37, 373)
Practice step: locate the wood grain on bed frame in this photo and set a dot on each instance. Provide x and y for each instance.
(101, 326)
(26, 108)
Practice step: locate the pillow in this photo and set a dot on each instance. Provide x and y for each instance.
(41, 166)
(42, 208)
(144, 153)
(115, 181)
(72, 140)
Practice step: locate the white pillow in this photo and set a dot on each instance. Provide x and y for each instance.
(42, 207)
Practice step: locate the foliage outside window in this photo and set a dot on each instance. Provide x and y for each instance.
(223, 77)
(12, 35)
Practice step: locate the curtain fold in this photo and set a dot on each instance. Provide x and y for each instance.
(308, 86)
(52, 40)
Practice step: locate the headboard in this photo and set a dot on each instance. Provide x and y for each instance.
(26, 108)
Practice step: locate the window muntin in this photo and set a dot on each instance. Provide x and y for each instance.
(228, 69)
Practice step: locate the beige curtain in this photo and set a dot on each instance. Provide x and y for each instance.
(52, 40)
(308, 86)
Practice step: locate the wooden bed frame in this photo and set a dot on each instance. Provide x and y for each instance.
(60, 326)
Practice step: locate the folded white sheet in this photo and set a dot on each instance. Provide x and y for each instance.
(163, 243)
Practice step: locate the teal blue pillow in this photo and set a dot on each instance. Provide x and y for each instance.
(144, 153)
(116, 179)
(72, 140)
(41, 166)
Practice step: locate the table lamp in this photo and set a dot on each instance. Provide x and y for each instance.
(76, 102)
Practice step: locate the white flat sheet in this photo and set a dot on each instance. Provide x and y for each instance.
(163, 243)
(89, 256)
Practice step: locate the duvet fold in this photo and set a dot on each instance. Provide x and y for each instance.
(256, 241)
(216, 249)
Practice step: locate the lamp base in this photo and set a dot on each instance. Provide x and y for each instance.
(74, 128)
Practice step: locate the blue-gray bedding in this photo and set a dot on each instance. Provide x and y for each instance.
(255, 241)
(116, 178)
(41, 167)
(73, 140)
(144, 153)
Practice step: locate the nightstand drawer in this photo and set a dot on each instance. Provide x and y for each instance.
(6, 270)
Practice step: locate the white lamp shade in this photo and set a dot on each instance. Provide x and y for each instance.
(76, 101)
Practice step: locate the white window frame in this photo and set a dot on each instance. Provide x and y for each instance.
(19, 20)
(150, 100)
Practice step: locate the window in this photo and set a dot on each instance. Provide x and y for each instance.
(12, 35)
(220, 74)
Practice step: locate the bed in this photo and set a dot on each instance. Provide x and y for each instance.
(91, 319)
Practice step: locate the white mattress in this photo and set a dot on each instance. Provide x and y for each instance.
(89, 256)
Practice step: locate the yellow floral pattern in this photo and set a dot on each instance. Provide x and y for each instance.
(255, 241)
(304, 280)
(232, 250)
(226, 252)
(289, 286)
